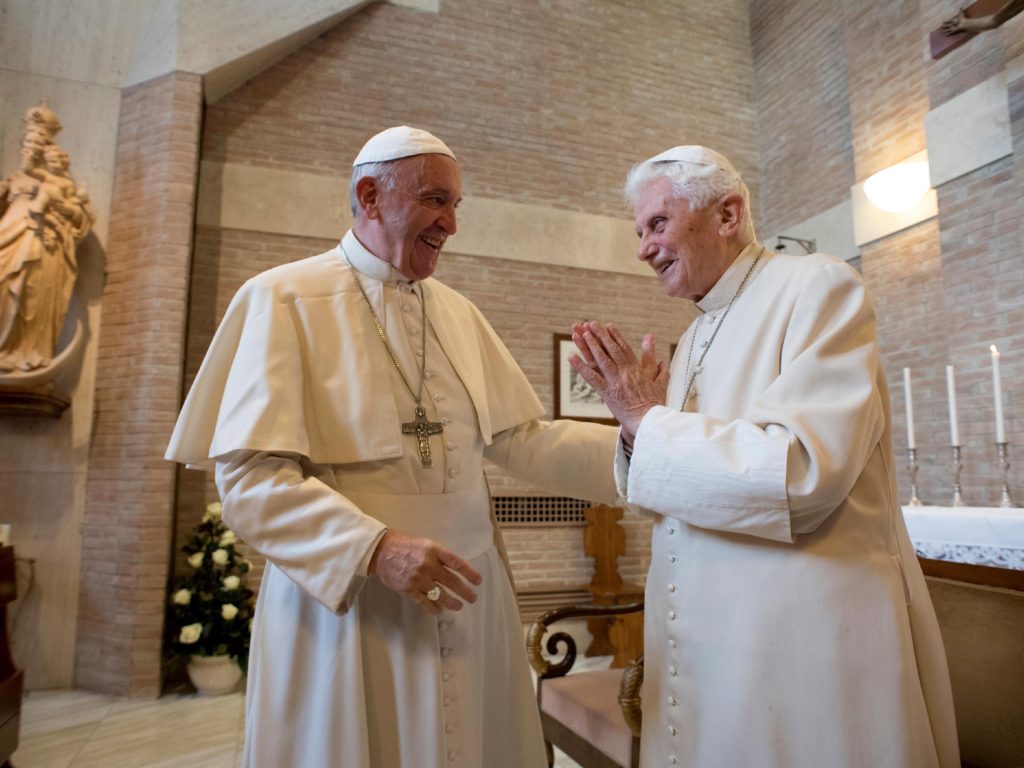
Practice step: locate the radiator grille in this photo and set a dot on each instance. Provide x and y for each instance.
(521, 511)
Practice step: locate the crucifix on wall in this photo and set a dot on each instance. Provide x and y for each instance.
(969, 21)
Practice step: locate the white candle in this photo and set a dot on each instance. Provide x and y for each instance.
(910, 408)
(954, 430)
(997, 393)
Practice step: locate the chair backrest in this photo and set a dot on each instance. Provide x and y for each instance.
(604, 540)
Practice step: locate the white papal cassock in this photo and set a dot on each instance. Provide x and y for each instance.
(787, 622)
(300, 407)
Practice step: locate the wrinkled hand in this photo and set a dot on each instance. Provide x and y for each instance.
(630, 386)
(412, 566)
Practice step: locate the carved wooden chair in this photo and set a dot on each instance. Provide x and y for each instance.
(592, 716)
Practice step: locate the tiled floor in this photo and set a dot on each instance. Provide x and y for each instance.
(74, 729)
(77, 729)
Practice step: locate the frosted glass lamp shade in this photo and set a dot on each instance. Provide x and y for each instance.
(898, 187)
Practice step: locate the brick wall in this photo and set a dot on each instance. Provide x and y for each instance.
(945, 289)
(126, 534)
(544, 103)
(804, 143)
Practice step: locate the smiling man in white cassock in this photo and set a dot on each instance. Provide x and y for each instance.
(347, 403)
(787, 621)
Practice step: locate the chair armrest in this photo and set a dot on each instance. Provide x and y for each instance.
(541, 665)
(629, 694)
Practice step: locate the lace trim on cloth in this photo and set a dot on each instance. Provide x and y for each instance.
(1011, 558)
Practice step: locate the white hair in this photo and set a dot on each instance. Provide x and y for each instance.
(385, 173)
(699, 184)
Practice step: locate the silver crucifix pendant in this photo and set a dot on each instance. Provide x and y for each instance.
(423, 429)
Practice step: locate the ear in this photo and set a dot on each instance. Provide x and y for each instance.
(731, 209)
(368, 197)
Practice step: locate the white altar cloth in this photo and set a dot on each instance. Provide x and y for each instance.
(991, 536)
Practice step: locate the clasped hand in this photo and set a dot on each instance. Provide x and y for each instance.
(630, 386)
(412, 566)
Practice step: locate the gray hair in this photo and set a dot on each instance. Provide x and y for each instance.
(385, 173)
(698, 184)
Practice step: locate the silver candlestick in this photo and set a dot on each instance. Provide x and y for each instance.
(912, 466)
(1004, 463)
(958, 500)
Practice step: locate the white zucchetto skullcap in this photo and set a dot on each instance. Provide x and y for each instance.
(398, 142)
(695, 154)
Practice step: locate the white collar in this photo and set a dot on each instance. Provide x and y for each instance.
(368, 264)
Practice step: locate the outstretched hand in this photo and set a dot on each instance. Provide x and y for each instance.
(630, 386)
(412, 566)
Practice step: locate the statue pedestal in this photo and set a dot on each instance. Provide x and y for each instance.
(14, 402)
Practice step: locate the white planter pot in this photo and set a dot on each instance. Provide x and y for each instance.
(213, 675)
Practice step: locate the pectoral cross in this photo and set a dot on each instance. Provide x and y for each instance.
(423, 429)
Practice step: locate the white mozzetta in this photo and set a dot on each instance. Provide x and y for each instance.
(969, 131)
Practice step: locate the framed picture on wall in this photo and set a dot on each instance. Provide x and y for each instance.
(574, 397)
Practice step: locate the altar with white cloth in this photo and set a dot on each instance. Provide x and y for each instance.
(973, 560)
(990, 536)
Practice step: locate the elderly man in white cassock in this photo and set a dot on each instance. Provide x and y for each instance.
(787, 621)
(347, 403)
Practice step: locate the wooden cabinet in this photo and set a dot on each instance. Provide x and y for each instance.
(11, 679)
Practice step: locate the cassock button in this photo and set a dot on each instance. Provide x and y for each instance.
(419, 353)
(672, 760)
(671, 643)
(447, 700)
(446, 652)
(428, 374)
(442, 626)
(445, 676)
(406, 308)
(672, 558)
(449, 728)
(671, 587)
(451, 755)
(671, 531)
(445, 420)
(414, 331)
(671, 730)
(673, 671)
(671, 701)
(450, 445)
(671, 615)
(438, 398)
(452, 472)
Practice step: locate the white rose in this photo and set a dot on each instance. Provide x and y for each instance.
(228, 611)
(220, 556)
(183, 597)
(214, 509)
(196, 560)
(228, 538)
(190, 633)
(231, 582)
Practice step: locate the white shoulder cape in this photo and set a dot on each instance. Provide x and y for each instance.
(296, 366)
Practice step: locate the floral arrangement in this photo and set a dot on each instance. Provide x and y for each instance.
(211, 608)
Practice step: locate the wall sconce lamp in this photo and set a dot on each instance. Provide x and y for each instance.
(893, 199)
(899, 187)
(809, 246)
